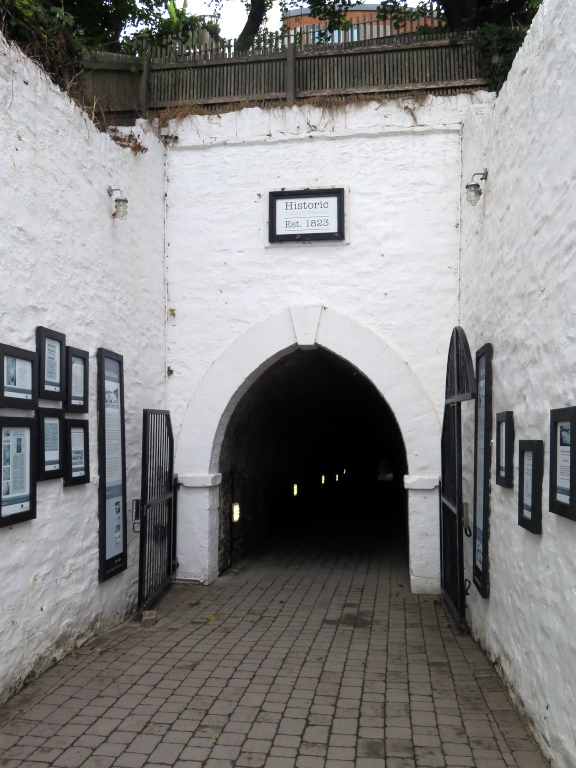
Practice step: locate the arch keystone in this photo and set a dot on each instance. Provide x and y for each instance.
(305, 320)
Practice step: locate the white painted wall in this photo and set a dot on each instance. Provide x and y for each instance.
(518, 276)
(396, 275)
(67, 265)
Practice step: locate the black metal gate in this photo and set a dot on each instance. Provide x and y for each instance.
(460, 386)
(157, 508)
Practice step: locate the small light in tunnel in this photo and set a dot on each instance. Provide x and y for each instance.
(295, 490)
(336, 478)
(235, 512)
(343, 471)
(323, 479)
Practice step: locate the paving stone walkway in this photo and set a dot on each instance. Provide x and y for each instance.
(312, 656)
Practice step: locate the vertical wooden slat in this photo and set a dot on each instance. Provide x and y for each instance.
(290, 73)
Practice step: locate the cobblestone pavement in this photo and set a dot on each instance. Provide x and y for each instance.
(307, 656)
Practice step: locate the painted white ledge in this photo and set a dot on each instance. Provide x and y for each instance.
(421, 482)
(200, 481)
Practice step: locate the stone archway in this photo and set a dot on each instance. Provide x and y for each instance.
(233, 373)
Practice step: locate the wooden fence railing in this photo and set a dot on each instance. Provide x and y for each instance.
(124, 85)
(200, 45)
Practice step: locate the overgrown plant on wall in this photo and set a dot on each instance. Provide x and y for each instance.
(56, 35)
(498, 27)
(46, 33)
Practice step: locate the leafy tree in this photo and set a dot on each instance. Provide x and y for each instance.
(458, 15)
(466, 14)
(56, 36)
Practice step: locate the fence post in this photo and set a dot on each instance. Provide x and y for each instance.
(290, 72)
(144, 77)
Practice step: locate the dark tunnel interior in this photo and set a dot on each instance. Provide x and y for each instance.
(311, 448)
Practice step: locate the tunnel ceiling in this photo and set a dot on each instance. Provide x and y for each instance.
(311, 407)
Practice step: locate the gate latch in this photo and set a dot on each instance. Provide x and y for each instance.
(136, 515)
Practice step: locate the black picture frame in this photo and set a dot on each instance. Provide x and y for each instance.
(76, 403)
(297, 194)
(77, 467)
(17, 508)
(505, 449)
(482, 468)
(51, 388)
(562, 489)
(18, 363)
(113, 548)
(50, 466)
(530, 504)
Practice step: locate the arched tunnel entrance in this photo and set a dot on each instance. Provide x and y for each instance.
(311, 449)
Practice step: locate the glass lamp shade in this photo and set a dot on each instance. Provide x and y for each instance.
(121, 205)
(473, 193)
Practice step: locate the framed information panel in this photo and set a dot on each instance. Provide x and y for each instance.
(306, 215)
(77, 470)
(562, 496)
(112, 463)
(482, 461)
(77, 370)
(531, 473)
(505, 449)
(50, 443)
(51, 350)
(18, 489)
(18, 378)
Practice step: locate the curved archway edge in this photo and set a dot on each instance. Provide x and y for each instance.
(233, 373)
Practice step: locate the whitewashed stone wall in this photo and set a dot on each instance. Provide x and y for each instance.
(67, 265)
(518, 275)
(395, 276)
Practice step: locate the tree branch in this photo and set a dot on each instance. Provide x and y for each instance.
(253, 23)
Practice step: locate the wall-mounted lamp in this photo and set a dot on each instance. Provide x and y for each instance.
(473, 191)
(120, 204)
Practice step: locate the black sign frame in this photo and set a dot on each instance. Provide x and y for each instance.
(536, 448)
(43, 472)
(274, 237)
(505, 472)
(69, 478)
(108, 501)
(16, 422)
(71, 406)
(482, 469)
(42, 336)
(556, 504)
(6, 400)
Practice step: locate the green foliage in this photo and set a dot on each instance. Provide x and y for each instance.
(57, 36)
(400, 13)
(497, 46)
(166, 21)
(45, 32)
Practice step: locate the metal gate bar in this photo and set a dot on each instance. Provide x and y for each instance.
(158, 508)
(460, 386)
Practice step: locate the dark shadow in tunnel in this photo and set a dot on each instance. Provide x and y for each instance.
(312, 449)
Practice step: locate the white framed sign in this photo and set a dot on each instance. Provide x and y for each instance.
(306, 215)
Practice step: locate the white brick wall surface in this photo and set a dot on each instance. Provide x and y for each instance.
(67, 265)
(518, 272)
